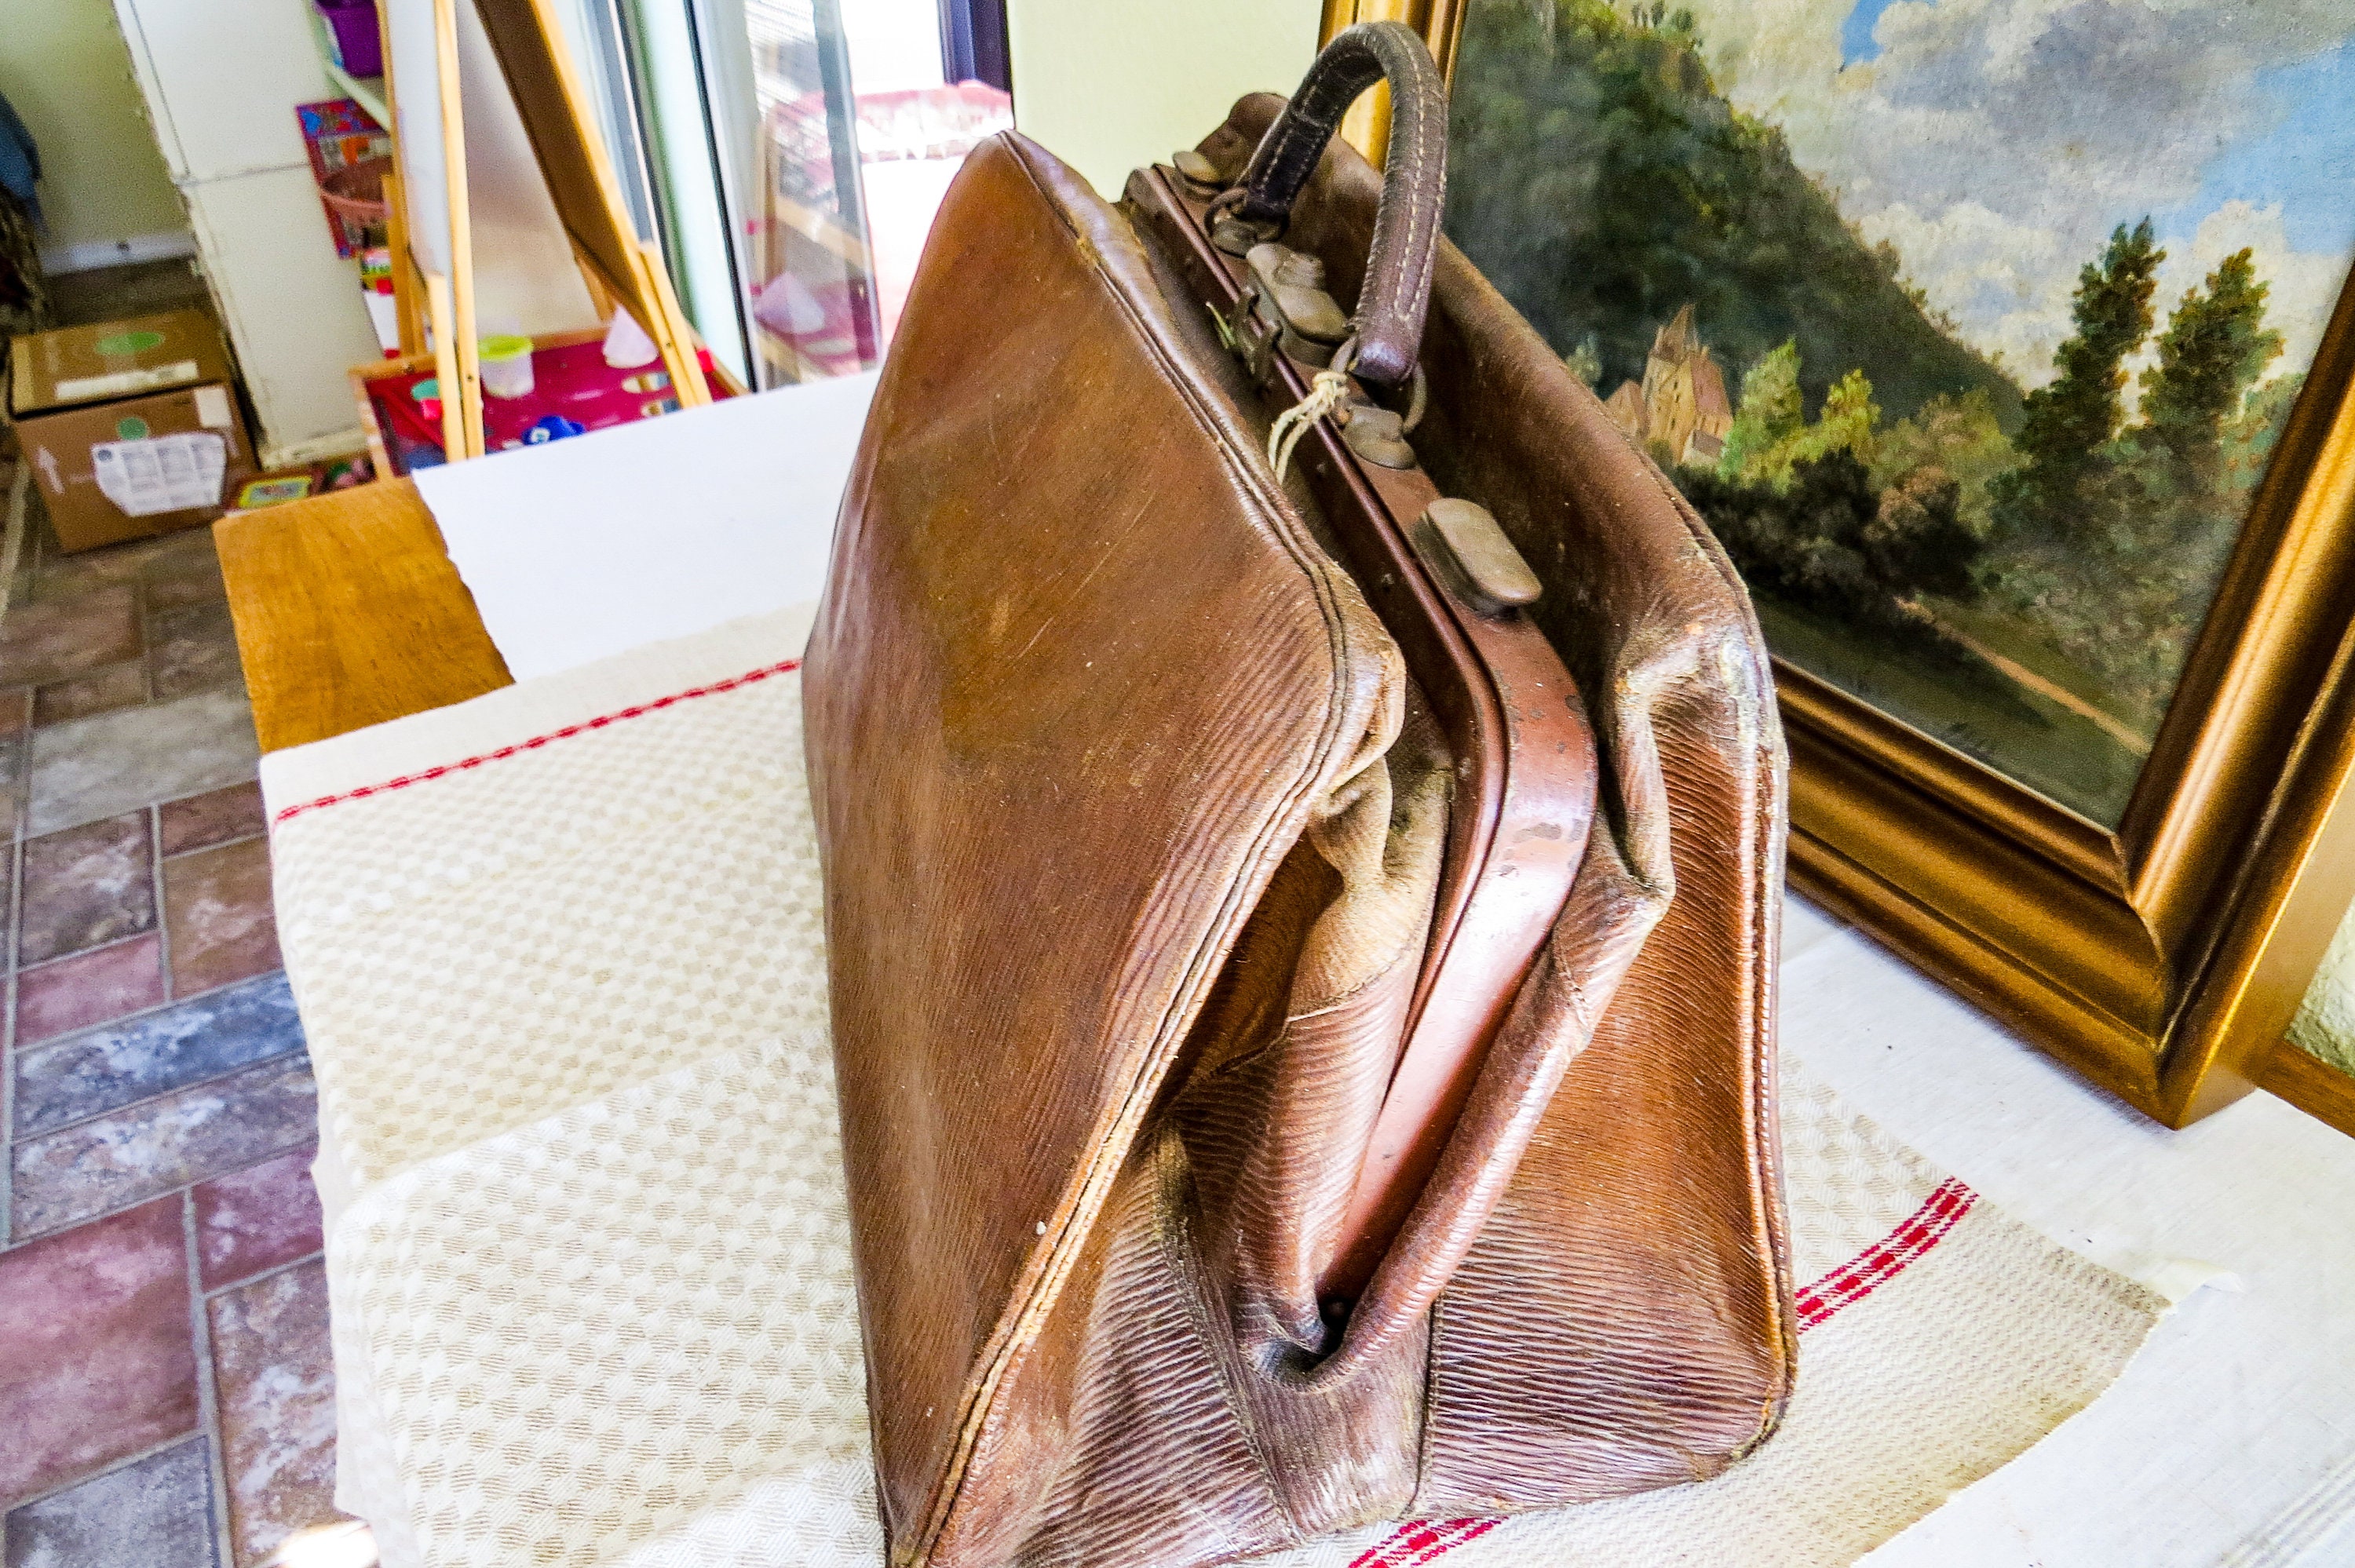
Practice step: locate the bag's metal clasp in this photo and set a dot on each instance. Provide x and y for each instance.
(1285, 308)
(1251, 337)
(1378, 435)
(1462, 542)
(1231, 234)
(1202, 177)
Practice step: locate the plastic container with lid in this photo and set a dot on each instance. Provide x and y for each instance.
(507, 366)
(359, 46)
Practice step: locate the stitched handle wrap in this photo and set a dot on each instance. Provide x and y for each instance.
(1390, 306)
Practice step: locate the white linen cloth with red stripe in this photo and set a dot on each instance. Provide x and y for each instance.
(559, 954)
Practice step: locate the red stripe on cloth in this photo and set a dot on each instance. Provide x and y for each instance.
(599, 722)
(1881, 1262)
(1414, 1544)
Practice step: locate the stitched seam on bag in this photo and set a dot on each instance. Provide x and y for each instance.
(442, 770)
(1766, 1069)
(1421, 215)
(1293, 128)
(1431, 1332)
(1000, 1351)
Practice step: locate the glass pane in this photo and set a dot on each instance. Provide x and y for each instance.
(1969, 326)
(860, 135)
(791, 154)
(811, 282)
(684, 113)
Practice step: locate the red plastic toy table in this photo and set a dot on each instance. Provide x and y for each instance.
(571, 383)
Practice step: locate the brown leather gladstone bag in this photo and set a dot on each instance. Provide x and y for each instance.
(1303, 825)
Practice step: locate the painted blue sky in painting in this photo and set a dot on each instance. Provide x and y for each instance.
(1995, 143)
(1857, 43)
(2304, 159)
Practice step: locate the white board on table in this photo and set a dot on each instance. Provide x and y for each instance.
(525, 280)
(586, 547)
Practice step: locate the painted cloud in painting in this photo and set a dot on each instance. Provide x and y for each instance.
(1996, 142)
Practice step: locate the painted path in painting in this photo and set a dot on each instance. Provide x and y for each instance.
(2116, 728)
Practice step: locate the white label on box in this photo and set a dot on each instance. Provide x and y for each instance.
(212, 409)
(162, 473)
(124, 383)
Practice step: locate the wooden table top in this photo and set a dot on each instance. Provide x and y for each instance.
(349, 613)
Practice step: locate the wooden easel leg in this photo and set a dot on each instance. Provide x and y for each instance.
(601, 298)
(445, 367)
(671, 333)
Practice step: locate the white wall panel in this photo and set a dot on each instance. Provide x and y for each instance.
(293, 310)
(223, 78)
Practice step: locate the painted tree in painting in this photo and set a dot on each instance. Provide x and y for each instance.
(2214, 347)
(2071, 419)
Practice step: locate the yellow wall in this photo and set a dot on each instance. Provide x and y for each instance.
(63, 66)
(1107, 85)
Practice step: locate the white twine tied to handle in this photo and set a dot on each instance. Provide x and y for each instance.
(1328, 391)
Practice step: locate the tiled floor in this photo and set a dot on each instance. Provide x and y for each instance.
(165, 1391)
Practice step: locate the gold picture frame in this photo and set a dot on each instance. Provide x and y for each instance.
(2163, 961)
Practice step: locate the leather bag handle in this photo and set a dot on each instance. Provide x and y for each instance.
(1414, 181)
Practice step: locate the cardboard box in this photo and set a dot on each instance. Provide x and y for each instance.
(132, 427)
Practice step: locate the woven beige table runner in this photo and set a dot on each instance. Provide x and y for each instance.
(560, 955)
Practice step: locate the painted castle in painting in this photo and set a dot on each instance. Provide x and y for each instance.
(1679, 411)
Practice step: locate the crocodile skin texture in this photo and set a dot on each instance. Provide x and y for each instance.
(1128, 851)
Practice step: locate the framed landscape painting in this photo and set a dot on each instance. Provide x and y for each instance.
(2003, 345)
(1970, 328)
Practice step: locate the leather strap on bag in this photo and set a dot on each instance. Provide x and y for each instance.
(1390, 306)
